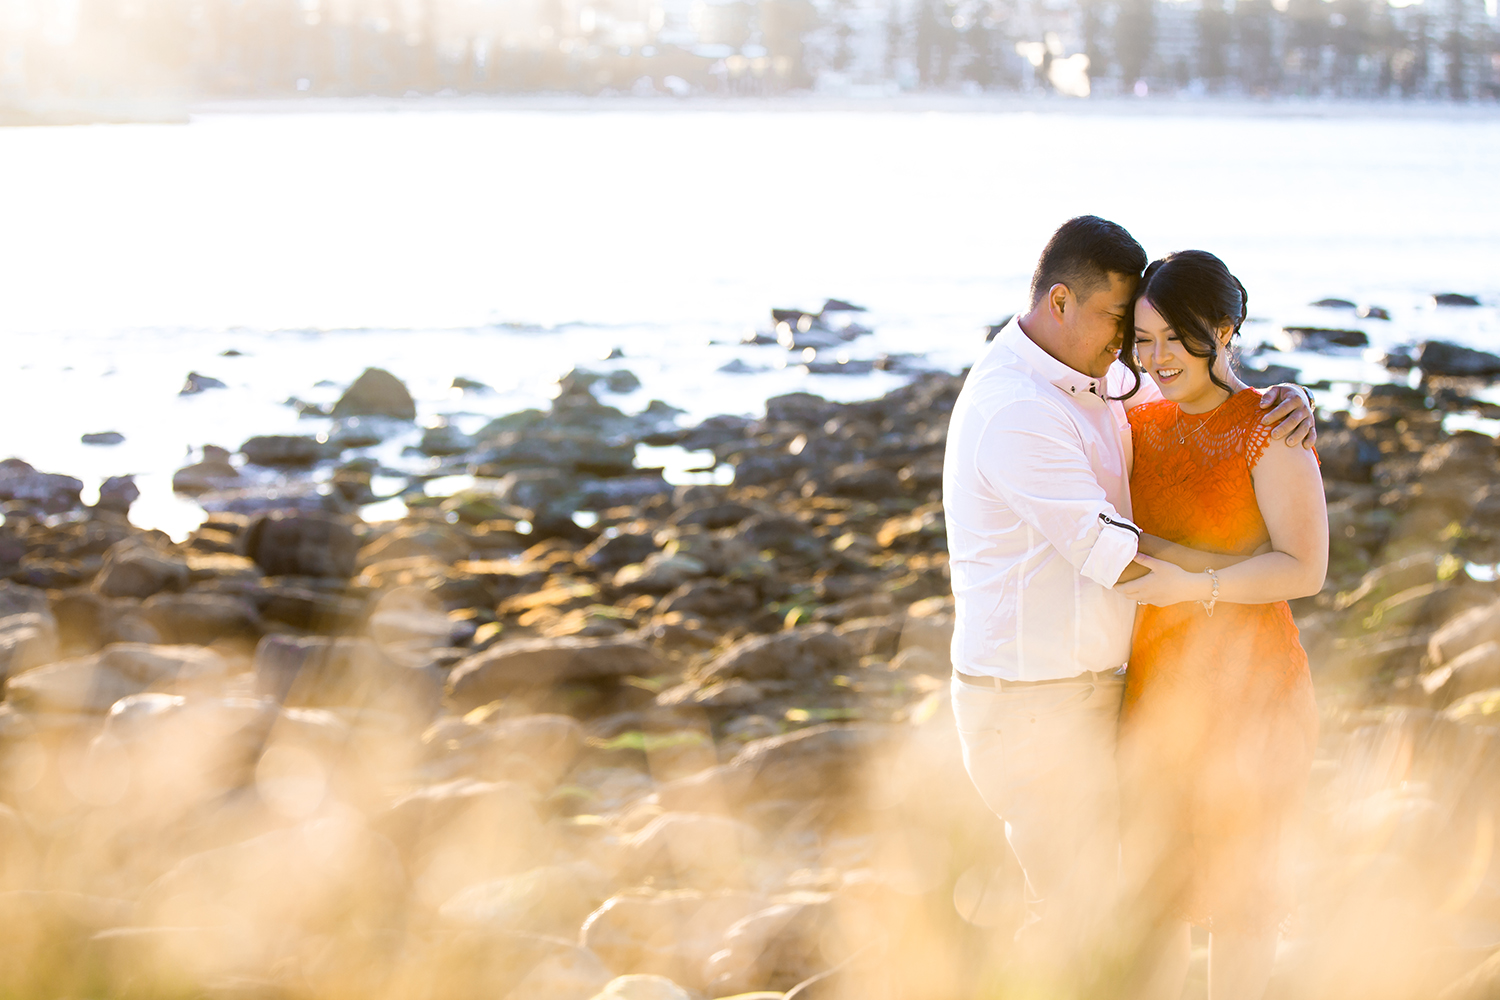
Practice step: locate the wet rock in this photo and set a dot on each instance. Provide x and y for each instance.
(1439, 357)
(91, 684)
(784, 535)
(577, 450)
(301, 544)
(622, 491)
(429, 539)
(798, 654)
(1374, 312)
(733, 693)
(310, 609)
(667, 933)
(141, 566)
(104, 438)
(345, 672)
(1317, 338)
(716, 432)
(642, 988)
(468, 384)
(284, 451)
(524, 664)
(711, 599)
(1392, 398)
(1454, 299)
(42, 492)
(1333, 304)
(376, 393)
(214, 472)
(445, 440)
(1347, 455)
(197, 383)
(1470, 629)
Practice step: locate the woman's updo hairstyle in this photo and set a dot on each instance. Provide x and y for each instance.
(1196, 295)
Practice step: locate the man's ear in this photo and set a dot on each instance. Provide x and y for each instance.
(1057, 300)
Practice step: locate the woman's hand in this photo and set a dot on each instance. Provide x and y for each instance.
(1165, 584)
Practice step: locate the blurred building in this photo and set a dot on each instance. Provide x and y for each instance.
(186, 49)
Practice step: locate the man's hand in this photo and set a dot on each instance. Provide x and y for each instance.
(1291, 414)
(1165, 584)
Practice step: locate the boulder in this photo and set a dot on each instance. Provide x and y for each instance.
(445, 440)
(694, 850)
(1318, 338)
(27, 640)
(526, 664)
(213, 472)
(1454, 299)
(42, 492)
(1347, 455)
(91, 684)
(434, 540)
(554, 899)
(817, 762)
(315, 671)
(642, 988)
(196, 383)
(284, 451)
(611, 552)
(117, 493)
(103, 438)
(376, 393)
(798, 654)
(667, 933)
(201, 618)
(1472, 628)
(141, 566)
(658, 574)
(285, 543)
(1472, 670)
(1439, 357)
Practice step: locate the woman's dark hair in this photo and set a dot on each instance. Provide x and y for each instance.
(1196, 295)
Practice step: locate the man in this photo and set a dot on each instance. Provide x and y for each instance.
(1037, 500)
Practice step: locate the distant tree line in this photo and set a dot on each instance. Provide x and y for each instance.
(247, 48)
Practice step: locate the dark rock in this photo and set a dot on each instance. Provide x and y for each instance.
(738, 366)
(1347, 455)
(105, 437)
(318, 671)
(310, 609)
(1399, 360)
(624, 491)
(711, 599)
(1374, 312)
(141, 566)
(284, 451)
(201, 618)
(799, 407)
(1264, 378)
(846, 366)
(527, 664)
(376, 393)
(301, 544)
(622, 381)
(117, 493)
(1438, 357)
(1392, 397)
(839, 305)
(42, 492)
(555, 449)
(1454, 299)
(197, 383)
(785, 535)
(469, 384)
(1333, 304)
(713, 516)
(610, 553)
(1317, 338)
(716, 431)
(799, 654)
(858, 481)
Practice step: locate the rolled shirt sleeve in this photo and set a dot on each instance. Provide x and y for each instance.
(1034, 460)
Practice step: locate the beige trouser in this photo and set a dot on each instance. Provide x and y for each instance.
(1043, 758)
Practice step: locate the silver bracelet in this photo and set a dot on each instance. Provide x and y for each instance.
(1213, 598)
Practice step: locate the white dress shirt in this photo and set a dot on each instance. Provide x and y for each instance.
(1036, 493)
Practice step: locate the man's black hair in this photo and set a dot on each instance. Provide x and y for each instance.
(1083, 253)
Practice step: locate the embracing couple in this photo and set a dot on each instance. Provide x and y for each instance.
(1115, 492)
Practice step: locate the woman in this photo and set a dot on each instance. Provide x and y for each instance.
(1218, 724)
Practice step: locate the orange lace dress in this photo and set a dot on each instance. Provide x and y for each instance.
(1218, 725)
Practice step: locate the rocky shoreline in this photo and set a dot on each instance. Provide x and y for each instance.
(582, 733)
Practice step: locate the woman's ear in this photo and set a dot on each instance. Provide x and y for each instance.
(1225, 333)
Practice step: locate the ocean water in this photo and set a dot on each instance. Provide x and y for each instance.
(509, 244)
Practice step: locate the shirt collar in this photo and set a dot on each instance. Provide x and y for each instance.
(1075, 384)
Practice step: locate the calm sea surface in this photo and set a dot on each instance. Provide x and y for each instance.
(511, 244)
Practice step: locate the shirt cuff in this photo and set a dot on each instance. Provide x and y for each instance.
(1113, 550)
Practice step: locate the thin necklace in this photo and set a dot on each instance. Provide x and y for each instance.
(1177, 423)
